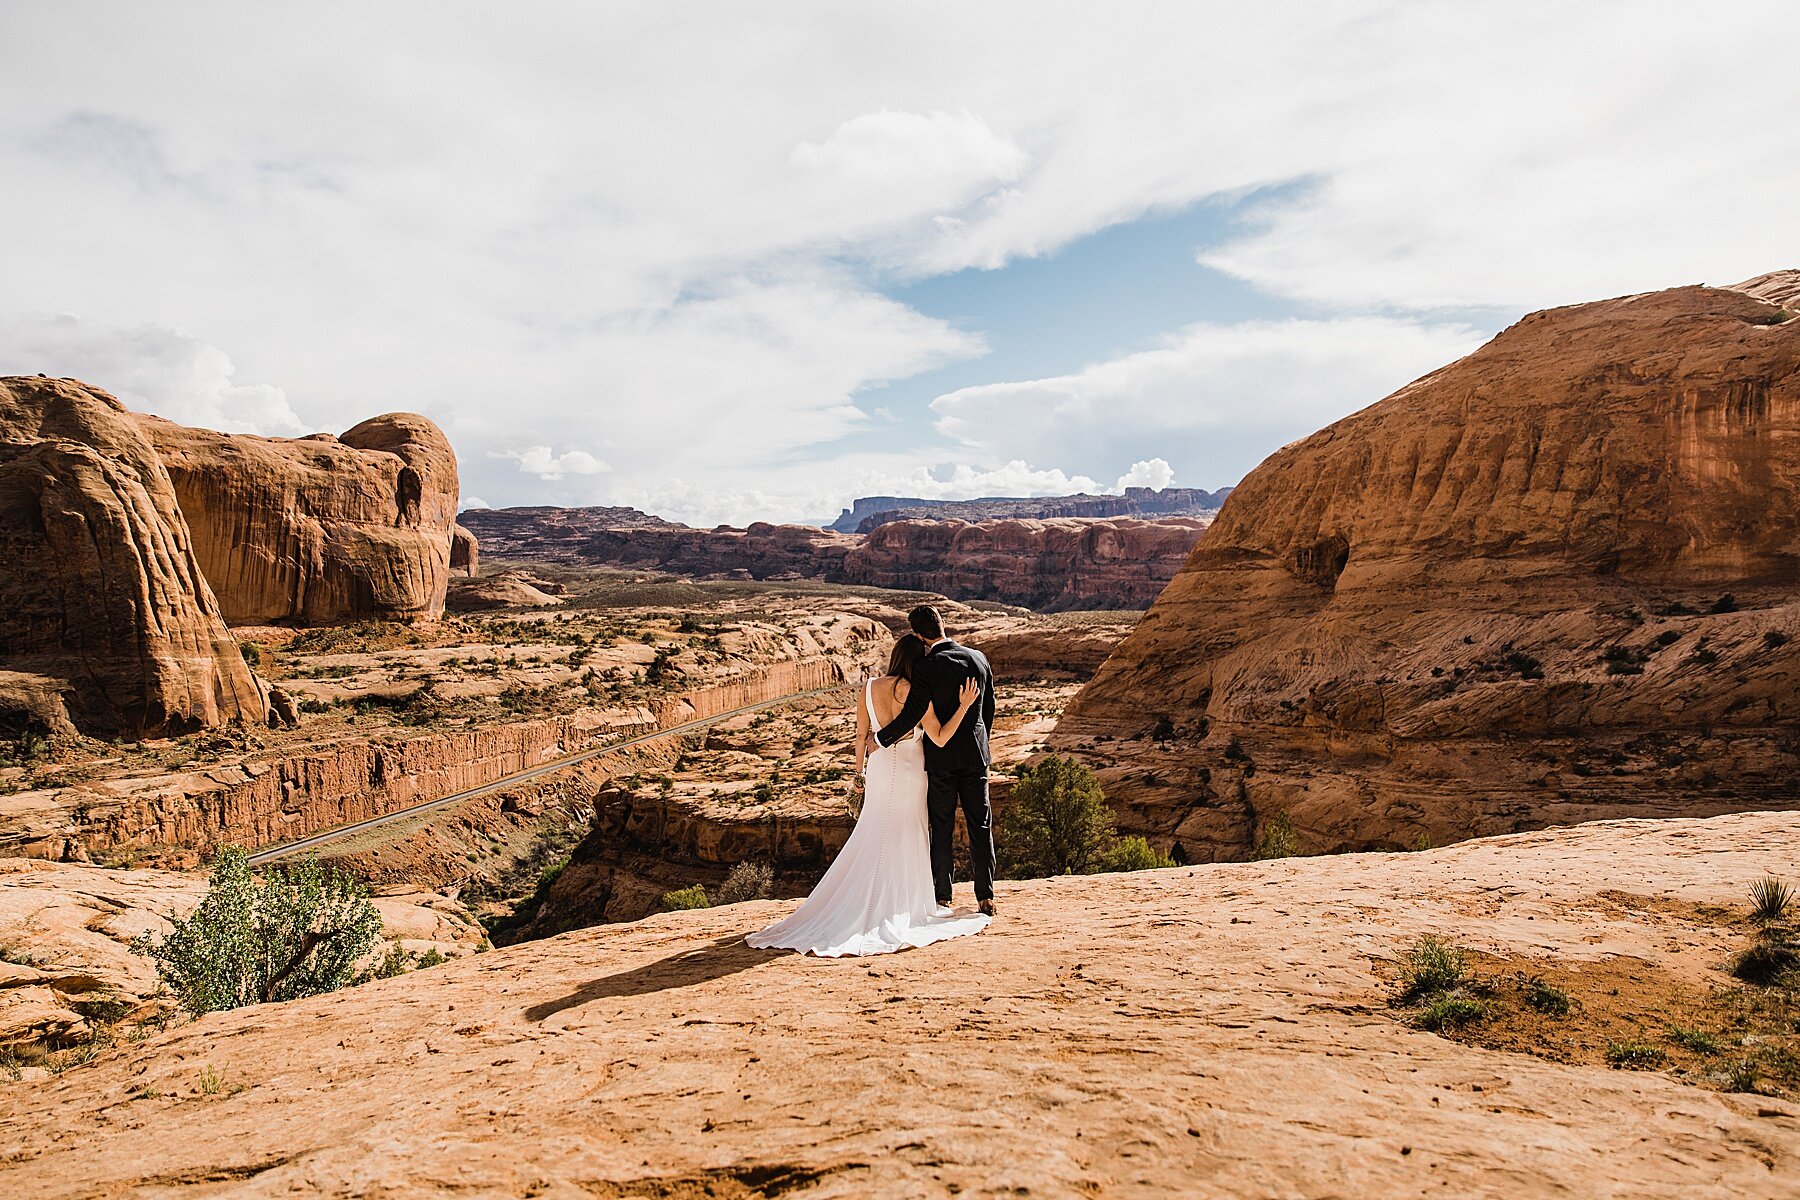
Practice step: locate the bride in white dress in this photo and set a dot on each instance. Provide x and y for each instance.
(877, 896)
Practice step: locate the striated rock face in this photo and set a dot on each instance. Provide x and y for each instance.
(1045, 565)
(1056, 564)
(869, 512)
(1556, 580)
(102, 594)
(318, 529)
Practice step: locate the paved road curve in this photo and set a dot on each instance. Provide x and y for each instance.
(506, 781)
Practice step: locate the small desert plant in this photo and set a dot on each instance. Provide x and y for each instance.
(1697, 1040)
(1634, 1056)
(1277, 838)
(1724, 604)
(211, 1082)
(1769, 958)
(1164, 730)
(252, 654)
(1774, 639)
(299, 933)
(685, 898)
(748, 880)
(1769, 900)
(1740, 1076)
(1545, 997)
(1432, 965)
(1624, 660)
(1133, 854)
(1449, 1012)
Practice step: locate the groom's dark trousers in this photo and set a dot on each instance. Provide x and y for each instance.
(956, 773)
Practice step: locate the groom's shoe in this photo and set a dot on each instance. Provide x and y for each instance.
(987, 908)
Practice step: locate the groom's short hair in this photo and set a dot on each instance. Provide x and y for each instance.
(927, 622)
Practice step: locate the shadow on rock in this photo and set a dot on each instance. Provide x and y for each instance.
(715, 960)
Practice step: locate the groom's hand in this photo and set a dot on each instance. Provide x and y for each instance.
(870, 745)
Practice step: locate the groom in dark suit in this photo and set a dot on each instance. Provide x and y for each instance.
(957, 772)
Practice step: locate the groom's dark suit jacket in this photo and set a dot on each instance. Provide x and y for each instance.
(936, 679)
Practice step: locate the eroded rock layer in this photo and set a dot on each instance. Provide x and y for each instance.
(1556, 580)
(101, 596)
(1060, 564)
(319, 529)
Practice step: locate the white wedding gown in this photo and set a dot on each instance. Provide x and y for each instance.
(877, 896)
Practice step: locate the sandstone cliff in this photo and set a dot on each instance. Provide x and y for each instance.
(1555, 580)
(102, 594)
(318, 529)
(868, 512)
(1053, 565)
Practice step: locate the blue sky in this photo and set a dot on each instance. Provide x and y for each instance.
(726, 263)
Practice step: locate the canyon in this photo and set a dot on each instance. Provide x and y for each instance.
(1047, 565)
(868, 512)
(1552, 582)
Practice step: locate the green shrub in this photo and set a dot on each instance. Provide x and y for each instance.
(1277, 838)
(1741, 1076)
(1546, 998)
(1432, 965)
(300, 932)
(685, 898)
(1058, 822)
(252, 654)
(1767, 960)
(1133, 854)
(1449, 1012)
(748, 880)
(1634, 1056)
(1164, 730)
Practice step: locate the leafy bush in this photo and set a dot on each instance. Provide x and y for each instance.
(300, 932)
(1767, 960)
(748, 880)
(1724, 604)
(1058, 822)
(1164, 730)
(1624, 660)
(685, 898)
(1134, 854)
(1432, 965)
(1769, 900)
(1277, 839)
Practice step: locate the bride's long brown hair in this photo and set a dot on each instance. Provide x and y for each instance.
(908, 650)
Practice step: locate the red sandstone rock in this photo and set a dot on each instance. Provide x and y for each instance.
(102, 590)
(318, 529)
(1493, 600)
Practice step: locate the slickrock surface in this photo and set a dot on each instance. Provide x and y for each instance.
(75, 924)
(1556, 580)
(1050, 565)
(318, 529)
(1218, 1031)
(101, 595)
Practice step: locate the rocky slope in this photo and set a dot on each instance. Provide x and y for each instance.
(1556, 580)
(1223, 1030)
(107, 622)
(318, 529)
(1049, 565)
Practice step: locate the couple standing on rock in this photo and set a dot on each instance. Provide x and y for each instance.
(889, 888)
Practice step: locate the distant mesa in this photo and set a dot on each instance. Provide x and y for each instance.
(1046, 564)
(132, 542)
(1556, 580)
(869, 512)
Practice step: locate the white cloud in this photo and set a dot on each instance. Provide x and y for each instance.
(651, 236)
(151, 368)
(1153, 473)
(468, 502)
(1217, 398)
(540, 461)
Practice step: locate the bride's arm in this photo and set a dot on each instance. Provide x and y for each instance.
(940, 734)
(862, 730)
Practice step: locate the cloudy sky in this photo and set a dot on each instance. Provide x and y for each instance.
(735, 261)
